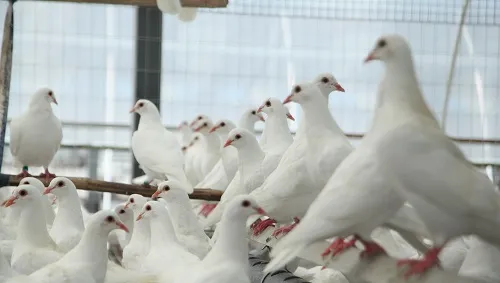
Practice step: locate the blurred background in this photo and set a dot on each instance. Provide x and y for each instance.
(99, 59)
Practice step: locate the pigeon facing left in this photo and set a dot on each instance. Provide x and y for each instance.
(36, 135)
(156, 149)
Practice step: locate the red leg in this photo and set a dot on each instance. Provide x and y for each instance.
(371, 248)
(207, 208)
(24, 173)
(286, 229)
(47, 175)
(418, 266)
(338, 246)
(263, 225)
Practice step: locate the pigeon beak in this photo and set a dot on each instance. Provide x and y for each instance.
(122, 226)
(139, 217)
(370, 57)
(288, 99)
(289, 116)
(10, 201)
(338, 87)
(260, 109)
(213, 129)
(156, 194)
(54, 100)
(127, 204)
(260, 210)
(47, 190)
(54, 200)
(199, 128)
(132, 110)
(228, 143)
(261, 117)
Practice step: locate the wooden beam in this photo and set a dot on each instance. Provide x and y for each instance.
(87, 184)
(152, 3)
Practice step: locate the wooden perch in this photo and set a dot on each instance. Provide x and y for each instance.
(152, 3)
(124, 189)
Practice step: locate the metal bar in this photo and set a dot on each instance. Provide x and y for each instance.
(453, 62)
(151, 3)
(5, 72)
(87, 184)
(148, 62)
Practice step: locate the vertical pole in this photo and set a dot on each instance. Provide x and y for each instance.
(94, 199)
(5, 72)
(148, 62)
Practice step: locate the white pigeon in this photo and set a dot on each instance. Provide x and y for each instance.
(290, 189)
(167, 257)
(186, 133)
(192, 156)
(120, 237)
(139, 244)
(249, 118)
(68, 225)
(46, 203)
(188, 229)
(250, 158)
(276, 137)
(227, 262)
(33, 247)
(87, 262)
(36, 135)
(449, 194)
(211, 152)
(155, 148)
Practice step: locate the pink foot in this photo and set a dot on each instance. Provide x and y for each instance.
(23, 174)
(207, 208)
(338, 246)
(371, 249)
(286, 229)
(47, 175)
(262, 225)
(419, 266)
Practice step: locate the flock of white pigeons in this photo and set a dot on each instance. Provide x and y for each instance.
(406, 175)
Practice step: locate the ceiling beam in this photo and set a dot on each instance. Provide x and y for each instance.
(152, 3)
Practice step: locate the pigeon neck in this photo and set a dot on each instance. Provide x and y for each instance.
(231, 244)
(246, 124)
(151, 118)
(69, 212)
(276, 133)
(141, 235)
(212, 142)
(92, 250)
(181, 212)
(39, 106)
(249, 156)
(318, 119)
(32, 227)
(162, 230)
(400, 91)
(48, 211)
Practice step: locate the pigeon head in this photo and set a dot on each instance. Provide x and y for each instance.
(22, 195)
(43, 96)
(183, 125)
(243, 206)
(126, 214)
(135, 202)
(107, 220)
(34, 182)
(144, 106)
(223, 127)
(389, 47)
(196, 120)
(170, 189)
(196, 138)
(60, 186)
(238, 137)
(151, 209)
(303, 93)
(203, 126)
(273, 105)
(327, 83)
(253, 115)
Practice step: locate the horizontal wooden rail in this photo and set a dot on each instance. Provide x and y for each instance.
(87, 184)
(152, 3)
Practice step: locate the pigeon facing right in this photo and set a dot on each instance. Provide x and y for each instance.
(36, 135)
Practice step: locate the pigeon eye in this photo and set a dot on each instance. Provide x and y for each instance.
(110, 219)
(245, 203)
(253, 112)
(324, 80)
(148, 208)
(196, 138)
(141, 104)
(382, 43)
(167, 188)
(238, 136)
(183, 148)
(222, 124)
(268, 103)
(50, 93)
(26, 183)
(122, 211)
(60, 184)
(205, 124)
(199, 117)
(297, 89)
(23, 193)
(132, 200)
